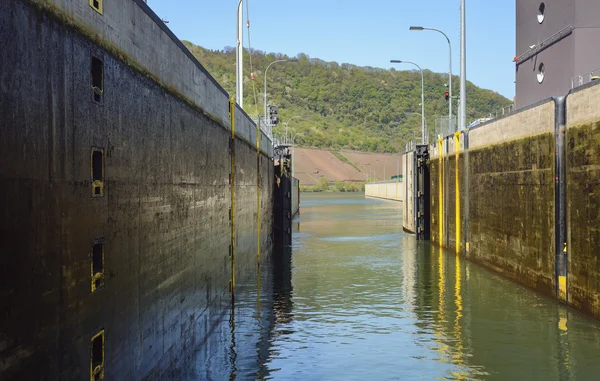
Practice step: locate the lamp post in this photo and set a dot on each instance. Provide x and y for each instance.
(294, 149)
(449, 63)
(265, 95)
(286, 128)
(422, 98)
(463, 67)
(239, 55)
(422, 116)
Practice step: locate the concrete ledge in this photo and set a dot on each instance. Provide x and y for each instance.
(384, 198)
(523, 123)
(387, 190)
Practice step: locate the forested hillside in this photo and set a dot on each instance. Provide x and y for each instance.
(342, 105)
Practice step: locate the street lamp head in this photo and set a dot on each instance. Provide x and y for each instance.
(416, 28)
(292, 60)
(395, 61)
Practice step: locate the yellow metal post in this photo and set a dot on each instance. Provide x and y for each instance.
(440, 192)
(232, 179)
(258, 190)
(457, 192)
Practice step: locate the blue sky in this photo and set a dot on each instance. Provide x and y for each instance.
(364, 33)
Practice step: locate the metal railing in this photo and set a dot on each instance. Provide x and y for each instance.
(445, 126)
(581, 80)
(386, 181)
(279, 140)
(493, 115)
(501, 112)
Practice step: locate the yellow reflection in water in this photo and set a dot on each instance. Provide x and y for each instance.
(459, 308)
(564, 342)
(456, 354)
(459, 355)
(439, 333)
(562, 321)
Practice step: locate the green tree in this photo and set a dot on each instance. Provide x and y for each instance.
(322, 185)
(360, 108)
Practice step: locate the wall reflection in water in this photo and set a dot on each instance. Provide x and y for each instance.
(488, 328)
(368, 302)
(240, 344)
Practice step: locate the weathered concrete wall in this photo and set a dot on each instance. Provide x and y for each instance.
(527, 122)
(511, 190)
(163, 217)
(498, 209)
(295, 196)
(583, 199)
(511, 196)
(131, 30)
(408, 173)
(389, 190)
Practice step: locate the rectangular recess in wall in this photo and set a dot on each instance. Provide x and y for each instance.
(97, 265)
(97, 171)
(97, 5)
(97, 357)
(97, 78)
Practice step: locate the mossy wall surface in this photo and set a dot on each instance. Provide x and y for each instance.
(506, 215)
(511, 202)
(583, 195)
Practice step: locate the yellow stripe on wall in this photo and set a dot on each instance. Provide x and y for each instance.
(440, 192)
(457, 193)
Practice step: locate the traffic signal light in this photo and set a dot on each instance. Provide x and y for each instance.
(274, 115)
(447, 95)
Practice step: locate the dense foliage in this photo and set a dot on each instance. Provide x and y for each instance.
(342, 105)
(339, 186)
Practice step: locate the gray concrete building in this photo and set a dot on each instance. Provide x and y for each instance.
(557, 47)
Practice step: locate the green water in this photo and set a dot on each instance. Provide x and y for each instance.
(363, 301)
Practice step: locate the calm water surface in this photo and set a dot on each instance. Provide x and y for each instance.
(356, 299)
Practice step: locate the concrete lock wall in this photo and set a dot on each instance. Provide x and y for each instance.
(583, 199)
(527, 201)
(494, 202)
(295, 196)
(388, 190)
(133, 180)
(408, 210)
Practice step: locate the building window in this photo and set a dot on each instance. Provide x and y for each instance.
(541, 13)
(97, 74)
(97, 171)
(97, 265)
(541, 73)
(97, 5)
(97, 357)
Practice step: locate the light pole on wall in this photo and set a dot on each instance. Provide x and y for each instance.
(422, 116)
(265, 94)
(449, 63)
(463, 67)
(294, 149)
(239, 55)
(286, 128)
(422, 97)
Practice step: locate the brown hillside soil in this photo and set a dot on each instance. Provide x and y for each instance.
(312, 164)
